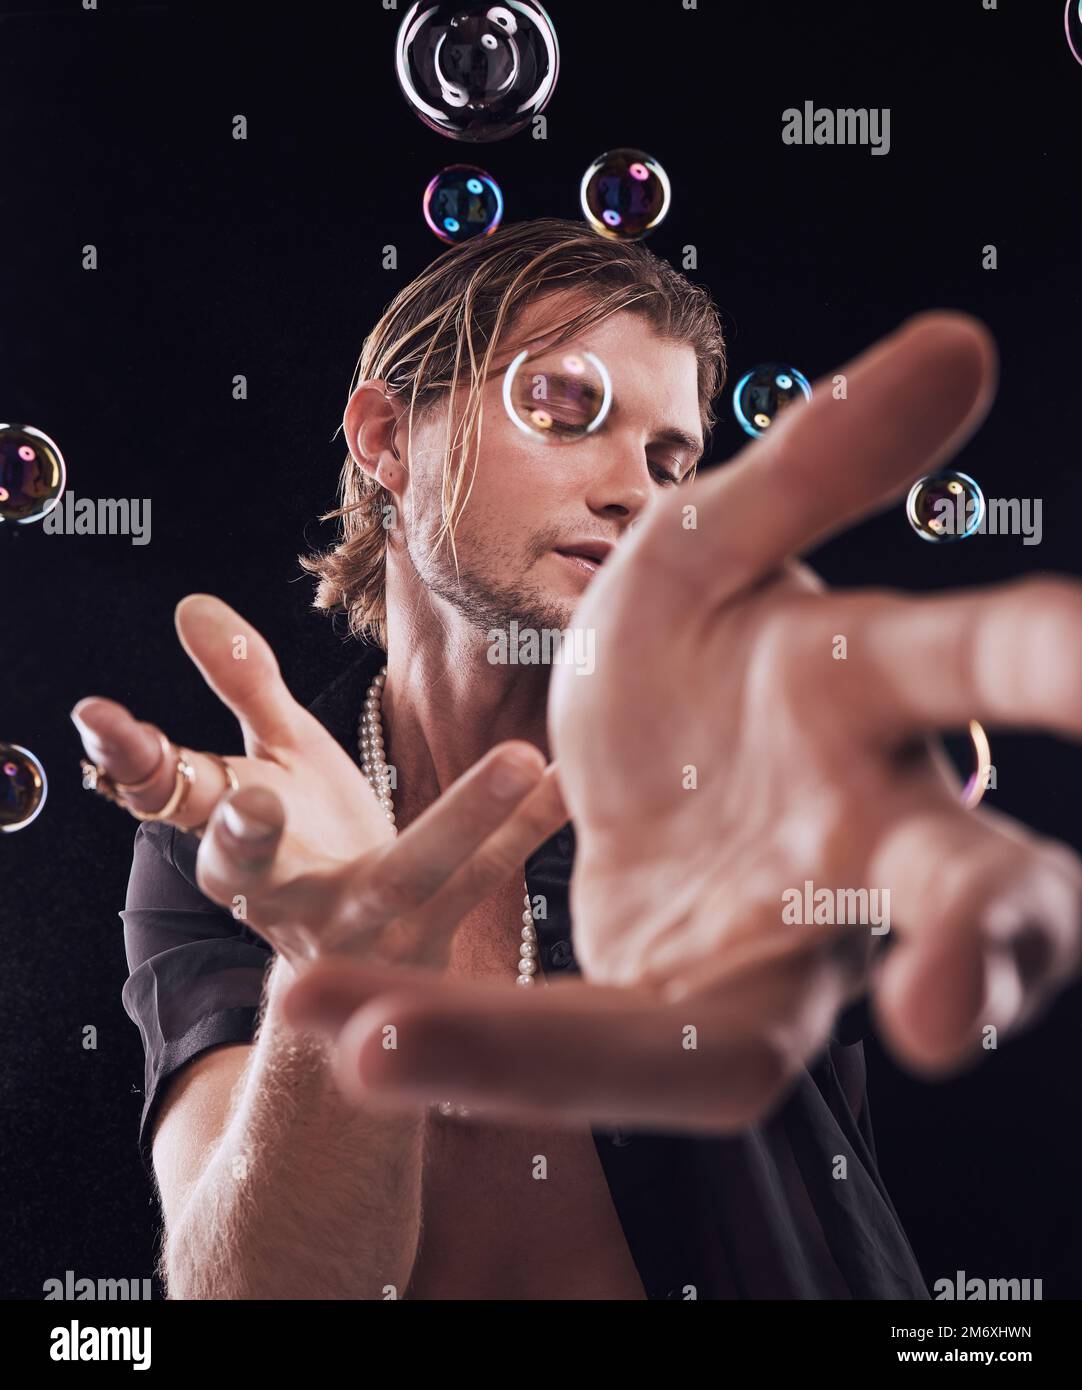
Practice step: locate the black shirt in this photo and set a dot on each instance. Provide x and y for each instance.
(761, 1214)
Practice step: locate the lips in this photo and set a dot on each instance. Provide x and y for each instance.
(594, 551)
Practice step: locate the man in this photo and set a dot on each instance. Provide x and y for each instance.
(282, 1172)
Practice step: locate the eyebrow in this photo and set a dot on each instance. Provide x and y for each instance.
(690, 442)
(672, 434)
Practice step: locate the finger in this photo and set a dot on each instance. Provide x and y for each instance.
(533, 821)
(131, 751)
(910, 403)
(762, 947)
(426, 854)
(240, 845)
(112, 737)
(576, 1052)
(237, 663)
(1007, 655)
(326, 994)
(988, 925)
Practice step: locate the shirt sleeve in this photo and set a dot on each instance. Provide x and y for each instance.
(195, 973)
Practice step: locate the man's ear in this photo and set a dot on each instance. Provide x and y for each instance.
(369, 423)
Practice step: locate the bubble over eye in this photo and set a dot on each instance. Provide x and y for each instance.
(625, 194)
(763, 393)
(558, 395)
(461, 202)
(1073, 21)
(477, 71)
(32, 473)
(23, 787)
(947, 506)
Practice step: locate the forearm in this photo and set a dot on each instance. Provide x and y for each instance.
(304, 1195)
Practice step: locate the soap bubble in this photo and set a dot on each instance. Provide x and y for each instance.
(625, 194)
(23, 787)
(947, 506)
(461, 202)
(763, 393)
(1073, 21)
(557, 394)
(477, 71)
(32, 473)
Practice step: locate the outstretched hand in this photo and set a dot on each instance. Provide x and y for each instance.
(720, 756)
(301, 851)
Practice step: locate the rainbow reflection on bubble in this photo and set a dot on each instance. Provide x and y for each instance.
(946, 506)
(557, 395)
(762, 394)
(32, 474)
(477, 71)
(461, 202)
(23, 787)
(625, 194)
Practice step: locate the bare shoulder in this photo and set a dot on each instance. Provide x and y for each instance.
(193, 1115)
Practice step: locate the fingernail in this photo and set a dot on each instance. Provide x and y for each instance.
(92, 740)
(245, 827)
(511, 776)
(79, 722)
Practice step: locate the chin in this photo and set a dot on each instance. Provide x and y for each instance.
(549, 609)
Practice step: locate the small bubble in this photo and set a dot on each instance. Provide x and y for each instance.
(461, 202)
(763, 393)
(23, 787)
(946, 506)
(625, 194)
(32, 473)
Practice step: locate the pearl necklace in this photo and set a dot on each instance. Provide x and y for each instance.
(374, 766)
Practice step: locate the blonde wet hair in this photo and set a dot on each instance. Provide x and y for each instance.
(438, 336)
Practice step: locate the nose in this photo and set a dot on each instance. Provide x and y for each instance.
(620, 485)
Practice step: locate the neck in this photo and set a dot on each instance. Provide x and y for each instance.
(445, 705)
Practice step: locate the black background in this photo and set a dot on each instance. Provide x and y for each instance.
(263, 257)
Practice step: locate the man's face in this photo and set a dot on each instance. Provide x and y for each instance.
(533, 504)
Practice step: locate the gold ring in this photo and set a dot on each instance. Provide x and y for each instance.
(232, 785)
(142, 786)
(975, 788)
(96, 779)
(185, 780)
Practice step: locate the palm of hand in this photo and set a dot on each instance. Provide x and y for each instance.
(768, 764)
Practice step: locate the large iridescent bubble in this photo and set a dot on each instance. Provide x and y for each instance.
(946, 506)
(461, 202)
(557, 395)
(477, 72)
(1073, 20)
(763, 393)
(32, 473)
(23, 787)
(625, 194)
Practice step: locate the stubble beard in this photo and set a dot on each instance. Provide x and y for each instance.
(486, 603)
